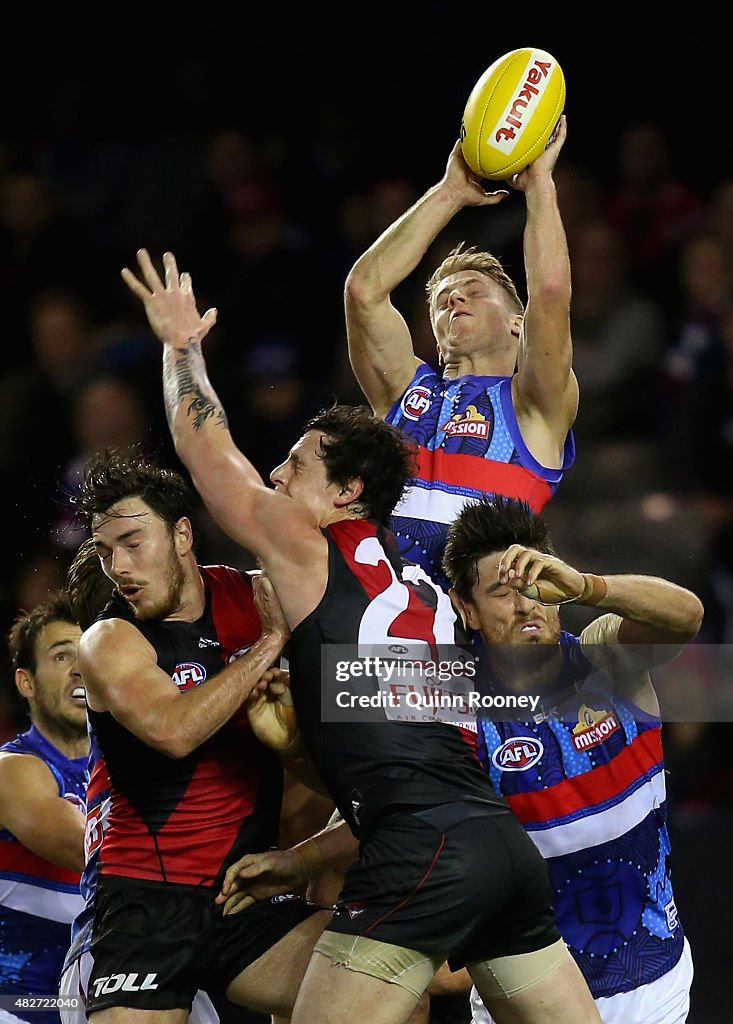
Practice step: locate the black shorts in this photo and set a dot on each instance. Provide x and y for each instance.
(462, 880)
(154, 945)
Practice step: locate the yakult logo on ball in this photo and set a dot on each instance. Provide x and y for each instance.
(416, 402)
(518, 754)
(520, 107)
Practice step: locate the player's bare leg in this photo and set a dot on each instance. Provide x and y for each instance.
(559, 995)
(332, 994)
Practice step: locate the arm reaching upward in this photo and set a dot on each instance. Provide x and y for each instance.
(261, 519)
(545, 390)
(380, 346)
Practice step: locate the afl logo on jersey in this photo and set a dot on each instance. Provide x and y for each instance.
(189, 674)
(416, 402)
(517, 754)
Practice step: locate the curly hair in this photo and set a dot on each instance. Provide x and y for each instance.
(28, 626)
(491, 523)
(113, 475)
(471, 258)
(359, 444)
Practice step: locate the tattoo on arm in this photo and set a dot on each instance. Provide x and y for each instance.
(187, 377)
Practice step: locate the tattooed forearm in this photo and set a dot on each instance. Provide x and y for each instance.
(185, 377)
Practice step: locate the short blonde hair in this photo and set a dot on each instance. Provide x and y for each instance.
(471, 258)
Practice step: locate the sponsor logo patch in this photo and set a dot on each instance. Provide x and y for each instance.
(517, 754)
(189, 674)
(416, 402)
(671, 912)
(470, 423)
(593, 727)
(123, 983)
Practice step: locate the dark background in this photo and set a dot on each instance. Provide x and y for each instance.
(115, 112)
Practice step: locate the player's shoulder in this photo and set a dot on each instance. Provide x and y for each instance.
(24, 768)
(17, 744)
(106, 639)
(602, 630)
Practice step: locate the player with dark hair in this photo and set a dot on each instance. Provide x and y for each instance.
(444, 869)
(179, 785)
(586, 773)
(89, 589)
(498, 418)
(88, 586)
(43, 776)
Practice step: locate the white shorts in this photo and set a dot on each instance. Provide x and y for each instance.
(664, 1001)
(6, 1017)
(75, 982)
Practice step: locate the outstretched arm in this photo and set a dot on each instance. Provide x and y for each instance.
(380, 346)
(266, 522)
(545, 387)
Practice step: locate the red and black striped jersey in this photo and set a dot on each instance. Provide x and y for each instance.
(185, 820)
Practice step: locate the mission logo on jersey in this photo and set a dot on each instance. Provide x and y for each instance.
(593, 727)
(470, 423)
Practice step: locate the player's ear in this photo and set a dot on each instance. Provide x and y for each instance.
(465, 609)
(24, 682)
(183, 535)
(350, 492)
(516, 326)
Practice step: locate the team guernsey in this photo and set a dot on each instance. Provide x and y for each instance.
(587, 782)
(370, 766)
(97, 812)
(146, 809)
(38, 899)
(468, 444)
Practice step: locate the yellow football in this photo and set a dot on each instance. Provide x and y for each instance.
(511, 113)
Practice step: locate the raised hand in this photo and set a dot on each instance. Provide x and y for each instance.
(461, 181)
(540, 576)
(545, 162)
(170, 307)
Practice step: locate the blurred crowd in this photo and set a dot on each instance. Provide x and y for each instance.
(652, 322)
